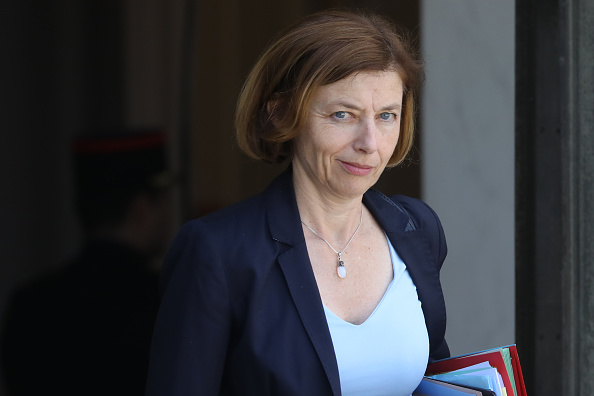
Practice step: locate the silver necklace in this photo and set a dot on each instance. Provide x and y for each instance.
(341, 270)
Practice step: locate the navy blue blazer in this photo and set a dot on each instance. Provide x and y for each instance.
(241, 313)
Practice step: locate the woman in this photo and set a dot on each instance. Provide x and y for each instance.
(319, 285)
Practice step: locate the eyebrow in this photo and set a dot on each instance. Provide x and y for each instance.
(392, 106)
(348, 105)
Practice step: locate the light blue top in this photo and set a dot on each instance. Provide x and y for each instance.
(388, 353)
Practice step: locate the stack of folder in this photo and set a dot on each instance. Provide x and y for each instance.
(494, 372)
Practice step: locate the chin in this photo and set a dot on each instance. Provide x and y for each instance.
(355, 190)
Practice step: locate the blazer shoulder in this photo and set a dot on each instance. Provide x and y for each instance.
(244, 210)
(223, 238)
(423, 218)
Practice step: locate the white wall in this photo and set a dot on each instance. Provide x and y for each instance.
(467, 133)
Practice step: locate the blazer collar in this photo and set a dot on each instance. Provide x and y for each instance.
(392, 217)
(282, 211)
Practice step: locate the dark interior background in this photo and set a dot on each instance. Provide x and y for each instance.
(72, 67)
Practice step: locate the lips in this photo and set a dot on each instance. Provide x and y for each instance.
(356, 169)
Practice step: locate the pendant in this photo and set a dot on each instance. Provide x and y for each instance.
(341, 270)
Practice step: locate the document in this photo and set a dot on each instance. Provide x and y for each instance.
(432, 387)
(477, 376)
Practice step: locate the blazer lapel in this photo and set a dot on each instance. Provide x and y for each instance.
(285, 227)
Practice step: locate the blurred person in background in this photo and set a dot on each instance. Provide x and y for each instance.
(85, 329)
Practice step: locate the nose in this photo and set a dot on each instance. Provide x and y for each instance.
(366, 139)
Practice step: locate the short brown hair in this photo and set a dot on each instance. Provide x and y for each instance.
(320, 49)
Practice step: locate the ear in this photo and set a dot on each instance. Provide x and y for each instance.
(274, 108)
(271, 105)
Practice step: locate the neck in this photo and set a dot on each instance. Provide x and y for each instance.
(333, 218)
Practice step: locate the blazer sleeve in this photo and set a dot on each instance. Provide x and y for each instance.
(193, 324)
(442, 351)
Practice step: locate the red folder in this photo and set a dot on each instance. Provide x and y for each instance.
(495, 359)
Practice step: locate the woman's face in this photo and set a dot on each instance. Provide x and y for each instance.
(349, 135)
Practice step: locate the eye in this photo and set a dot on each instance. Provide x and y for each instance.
(341, 115)
(387, 116)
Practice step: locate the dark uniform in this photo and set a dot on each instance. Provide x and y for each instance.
(86, 329)
(83, 330)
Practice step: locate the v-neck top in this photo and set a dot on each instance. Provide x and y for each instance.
(388, 353)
